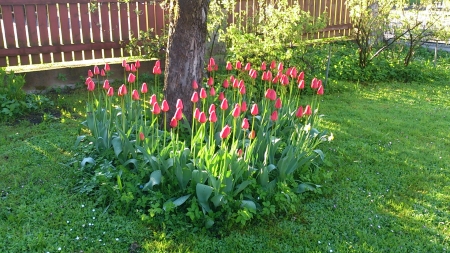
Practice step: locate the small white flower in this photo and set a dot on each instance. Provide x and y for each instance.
(82, 205)
(117, 239)
(77, 238)
(93, 210)
(68, 222)
(93, 218)
(59, 248)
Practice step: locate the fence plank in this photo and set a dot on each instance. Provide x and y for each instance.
(142, 8)
(124, 28)
(151, 10)
(22, 39)
(65, 29)
(106, 31)
(43, 31)
(32, 24)
(115, 27)
(9, 32)
(96, 30)
(3, 62)
(133, 20)
(53, 22)
(75, 20)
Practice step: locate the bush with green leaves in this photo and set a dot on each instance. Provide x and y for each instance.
(250, 151)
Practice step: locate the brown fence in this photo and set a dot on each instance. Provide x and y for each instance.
(51, 31)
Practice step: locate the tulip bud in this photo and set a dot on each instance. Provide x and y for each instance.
(252, 135)
(178, 114)
(164, 106)
(122, 90)
(194, 85)
(229, 66)
(301, 84)
(236, 111)
(107, 67)
(124, 63)
(308, 110)
(131, 78)
(203, 93)
(173, 122)
(102, 72)
(106, 85)
(141, 136)
(224, 104)
(153, 100)
(127, 68)
(202, 118)
(133, 68)
(278, 103)
(238, 65)
(110, 92)
(274, 116)
(225, 132)
(91, 86)
(247, 67)
(212, 108)
(212, 91)
(90, 74)
(179, 104)
(273, 64)
(225, 84)
(243, 106)
(210, 81)
(245, 124)
(320, 90)
(263, 66)
(144, 88)
(194, 97)
(96, 70)
(135, 95)
(239, 152)
(137, 64)
(213, 117)
(299, 112)
(156, 109)
(254, 109)
(221, 96)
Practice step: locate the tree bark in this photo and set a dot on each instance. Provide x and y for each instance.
(185, 52)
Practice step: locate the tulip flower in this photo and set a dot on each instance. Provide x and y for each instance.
(301, 84)
(202, 118)
(253, 74)
(194, 97)
(133, 68)
(135, 95)
(102, 72)
(280, 66)
(294, 72)
(90, 74)
(137, 64)
(122, 90)
(212, 62)
(110, 92)
(254, 110)
(156, 109)
(320, 90)
(106, 85)
(179, 104)
(235, 83)
(213, 117)
(221, 96)
(242, 90)
(229, 66)
(212, 108)
(131, 78)
(194, 85)
(263, 66)
(284, 80)
(252, 135)
(308, 110)
(173, 122)
(301, 76)
(124, 63)
(278, 103)
(236, 111)
(224, 104)
(88, 80)
(91, 86)
(274, 116)
(144, 88)
(314, 83)
(158, 64)
(238, 65)
(264, 76)
(273, 64)
(243, 106)
(232, 79)
(203, 93)
(153, 100)
(239, 152)
(96, 70)
(107, 67)
(156, 70)
(299, 112)
(141, 136)
(247, 67)
(196, 113)
(225, 84)
(127, 68)
(164, 106)
(178, 114)
(210, 81)
(212, 91)
(271, 94)
(245, 124)
(225, 132)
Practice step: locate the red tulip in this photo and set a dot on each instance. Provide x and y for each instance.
(238, 65)
(253, 74)
(127, 68)
(301, 84)
(245, 124)
(269, 75)
(110, 92)
(133, 68)
(173, 122)
(225, 132)
(229, 66)
(225, 84)
(243, 106)
(196, 113)
(280, 66)
(131, 78)
(137, 64)
(320, 90)
(141, 136)
(235, 83)
(236, 111)
(212, 116)
(88, 80)
(90, 73)
(242, 90)
(314, 83)
(194, 97)
(224, 104)
(135, 95)
(124, 63)
(212, 91)
(209, 68)
(210, 81)
(294, 72)
(274, 116)
(273, 64)
(264, 76)
(144, 88)
(254, 110)
(158, 64)
(278, 103)
(221, 96)
(102, 72)
(107, 67)
(153, 100)
(232, 79)
(178, 114)
(252, 135)
(106, 85)
(308, 110)
(271, 94)
(91, 86)
(247, 67)
(194, 85)
(284, 80)
(203, 93)
(122, 90)
(96, 70)
(212, 63)
(299, 112)
(202, 118)
(301, 76)
(164, 106)
(156, 70)
(156, 109)
(212, 108)
(180, 104)
(239, 152)
(263, 66)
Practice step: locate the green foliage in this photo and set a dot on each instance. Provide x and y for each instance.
(147, 44)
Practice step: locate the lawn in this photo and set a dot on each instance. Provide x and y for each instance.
(389, 192)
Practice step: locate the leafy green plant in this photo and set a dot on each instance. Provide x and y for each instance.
(147, 44)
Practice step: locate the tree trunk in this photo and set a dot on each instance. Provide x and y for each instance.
(185, 52)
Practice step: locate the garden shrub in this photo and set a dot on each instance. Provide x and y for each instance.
(250, 151)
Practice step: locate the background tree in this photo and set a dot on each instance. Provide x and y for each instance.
(185, 51)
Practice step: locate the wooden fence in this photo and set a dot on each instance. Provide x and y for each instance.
(52, 31)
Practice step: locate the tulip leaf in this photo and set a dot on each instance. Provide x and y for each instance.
(117, 145)
(176, 201)
(79, 139)
(132, 161)
(199, 176)
(218, 200)
(203, 193)
(320, 153)
(87, 160)
(155, 179)
(248, 204)
(209, 223)
(304, 187)
(241, 187)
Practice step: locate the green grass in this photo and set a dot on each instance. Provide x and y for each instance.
(390, 189)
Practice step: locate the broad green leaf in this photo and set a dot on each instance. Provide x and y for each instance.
(117, 145)
(155, 179)
(177, 201)
(132, 161)
(209, 223)
(248, 204)
(79, 139)
(203, 193)
(199, 176)
(87, 160)
(304, 187)
(241, 187)
(218, 200)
